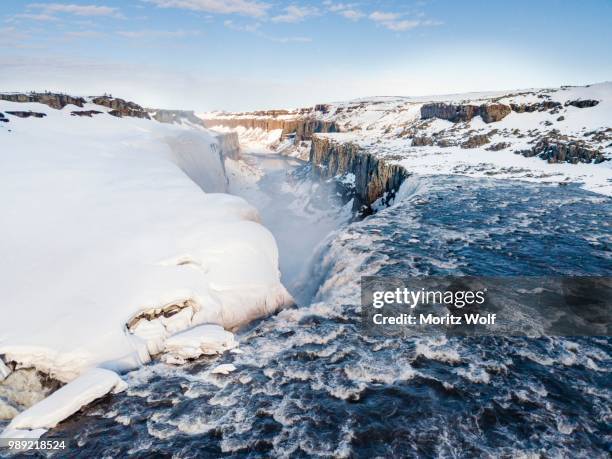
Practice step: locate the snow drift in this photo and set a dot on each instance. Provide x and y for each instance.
(104, 218)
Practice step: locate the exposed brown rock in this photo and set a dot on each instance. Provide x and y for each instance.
(560, 151)
(450, 112)
(422, 141)
(582, 103)
(374, 178)
(27, 114)
(491, 113)
(475, 141)
(88, 113)
(121, 108)
(301, 127)
(498, 146)
(535, 107)
(53, 100)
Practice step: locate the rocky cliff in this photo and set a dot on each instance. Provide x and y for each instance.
(374, 178)
(489, 113)
(229, 144)
(53, 100)
(301, 127)
(120, 107)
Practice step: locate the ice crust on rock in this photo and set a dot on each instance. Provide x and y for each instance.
(201, 340)
(224, 369)
(66, 401)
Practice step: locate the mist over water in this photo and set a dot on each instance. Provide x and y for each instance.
(300, 212)
(309, 383)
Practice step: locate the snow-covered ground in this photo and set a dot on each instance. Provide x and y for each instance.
(109, 223)
(391, 127)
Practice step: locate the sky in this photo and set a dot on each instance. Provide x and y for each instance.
(259, 54)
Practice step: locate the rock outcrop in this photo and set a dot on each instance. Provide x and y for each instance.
(422, 141)
(87, 113)
(582, 103)
(536, 106)
(456, 113)
(3, 119)
(374, 178)
(301, 128)
(475, 141)
(120, 107)
(560, 151)
(450, 112)
(28, 114)
(53, 100)
(490, 113)
(229, 144)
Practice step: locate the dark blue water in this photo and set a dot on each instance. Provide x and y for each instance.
(310, 384)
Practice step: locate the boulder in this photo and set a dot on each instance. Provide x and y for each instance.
(422, 141)
(491, 113)
(582, 103)
(475, 141)
(450, 112)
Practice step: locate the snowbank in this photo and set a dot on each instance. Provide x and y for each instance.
(67, 400)
(106, 217)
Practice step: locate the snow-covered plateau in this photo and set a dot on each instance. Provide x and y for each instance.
(556, 135)
(117, 233)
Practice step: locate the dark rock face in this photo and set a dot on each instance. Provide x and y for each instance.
(475, 141)
(121, 108)
(535, 107)
(53, 100)
(229, 144)
(489, 113)
(302, 127)
(3, 119)
(582, 103)
(558, 151)
(450, 112)
(174, 116)
(87, 113)
(28, 114)
(374, 178)
(423, 141)
(323, 108)
(498, 146)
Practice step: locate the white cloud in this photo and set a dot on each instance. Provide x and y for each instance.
(353, 15)
(294, 13)
(401, 26)
(380, 16)
(346, 10)
(393, 21)
(254, 29)
(158, 33)
(244, 7)
(77, 10)
(242, 28)
(33, 17)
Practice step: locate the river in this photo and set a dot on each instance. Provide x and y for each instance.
(309, 383)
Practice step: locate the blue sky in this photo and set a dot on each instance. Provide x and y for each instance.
(248, 54)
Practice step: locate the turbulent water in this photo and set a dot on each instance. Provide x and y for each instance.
(309, 383)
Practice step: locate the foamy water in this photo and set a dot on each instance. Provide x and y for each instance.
(309, 383)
